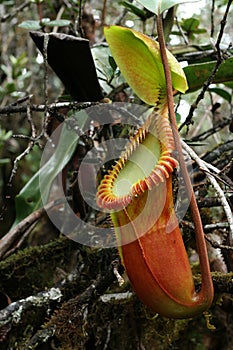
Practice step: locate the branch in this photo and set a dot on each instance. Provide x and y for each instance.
(78, 22)
(209, 81)
(120, 18)
(212, 19)
(215, 244)
(220, 157)
(216, 186)
(225, 180)
(14, 12)
(210, 228)
(7, 241)
(11, 109)
(209, 202)
(104, 11)
(14, 312)
(209, 132)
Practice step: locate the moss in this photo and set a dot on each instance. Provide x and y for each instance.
(127, 325)
(32, 269)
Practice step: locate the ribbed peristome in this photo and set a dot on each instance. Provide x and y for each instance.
(158, 127)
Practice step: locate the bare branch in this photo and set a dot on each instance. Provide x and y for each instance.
(212, 18)
(209, 132)
(7, 241)
(215, 244)
(12, 109)
(216, 186)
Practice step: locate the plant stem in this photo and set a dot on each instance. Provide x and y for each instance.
(207, 285)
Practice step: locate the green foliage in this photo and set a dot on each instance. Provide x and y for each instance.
(36, 192)
(34, 269)
(138, 58)
(154, 5)
(45, 22)
(7, 2)
(30, 164)
(16, 76)
(24, 267)
(107, 70)
(190, 27)
(197, 74)
(143, 14)
(4, 136)
(223, 93)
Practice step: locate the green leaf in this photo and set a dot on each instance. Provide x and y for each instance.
(191, 26)
(229, 84)
(112, 63)
(30, 25)
(10, 87)
(178, 118)
(142, 14)
(4, 135)
(139, 60)
(30, 197)
(58, 23)
(152, 5)
(197, 74)
(223, 93)
(106, 68)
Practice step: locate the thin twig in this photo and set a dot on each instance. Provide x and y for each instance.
(209, 81)
(30, 120)
(17, 160)
(11, 14)
(181, 32)
(59, 16)
(204, 135)
(119, 19)
(216, 186)
(46, 98)
(21, 240)
(217, 245)
(103, 15)
(116, 90)
(212, 18)
(21, 100)
(208, 202)
(78, 22)
(219, 174)
(29, 147)
(208, 227)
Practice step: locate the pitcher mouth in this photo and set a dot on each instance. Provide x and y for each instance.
(146, 162)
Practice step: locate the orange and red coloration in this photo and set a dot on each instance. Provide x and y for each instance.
(138, 192)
